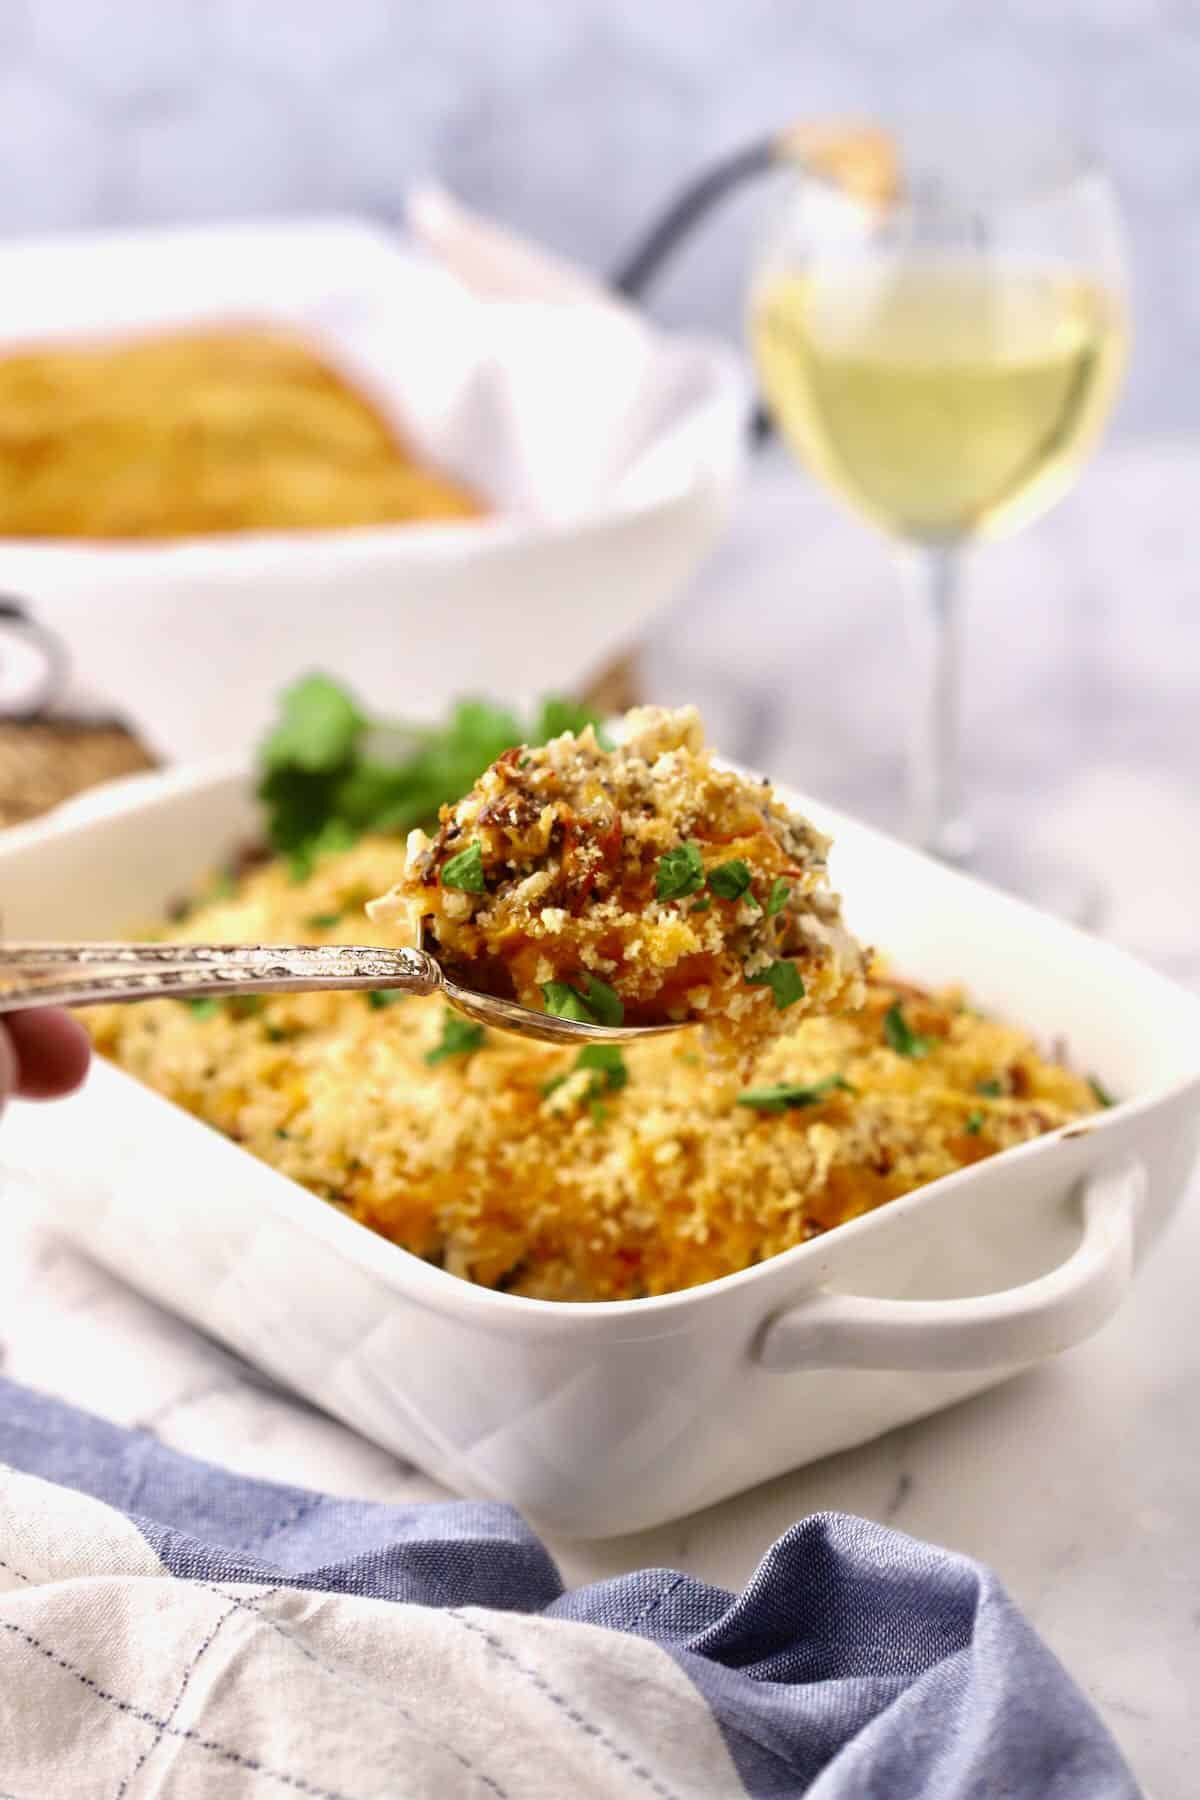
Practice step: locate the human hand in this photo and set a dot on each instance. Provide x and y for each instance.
(43, 1054)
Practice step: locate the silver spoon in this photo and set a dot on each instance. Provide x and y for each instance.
(104, 974)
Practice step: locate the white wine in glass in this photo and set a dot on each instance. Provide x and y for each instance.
(944, 361)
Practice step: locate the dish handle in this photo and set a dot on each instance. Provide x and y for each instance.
(1015, 1326)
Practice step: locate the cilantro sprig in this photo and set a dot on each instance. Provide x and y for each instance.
(326, 765)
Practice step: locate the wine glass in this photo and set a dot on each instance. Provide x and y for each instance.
(944, 359)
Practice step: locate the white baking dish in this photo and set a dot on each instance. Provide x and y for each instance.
(598, 1419)
(609, 451)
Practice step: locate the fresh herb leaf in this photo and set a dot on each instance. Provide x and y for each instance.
(784, 981)
(590, 1001)
(224, 887)
(556, 715)
(680, 872)
(281, 1034)
(607, 1073)
(323, 921)
(319, 727)
(779, 896)
(280, 1132)
(974, 1123)
(563, 1001)
(379, 998)
(604, 1001)
(1100, 1091)
(465, 871)
(700, 906)
(785, 1096)
(244, 1006)
(204, 1006)
(992, 1088)
(607, 1064)
(324, 760)
(598, 1110)
(730, 880)
(333, 836)
(460, 1037)
(900, 1036)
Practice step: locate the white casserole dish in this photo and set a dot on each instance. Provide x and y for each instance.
(608, 449)
(600, 1419)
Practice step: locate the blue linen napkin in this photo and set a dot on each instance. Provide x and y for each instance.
(167, 1627)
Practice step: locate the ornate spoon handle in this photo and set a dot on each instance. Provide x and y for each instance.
(93, 974)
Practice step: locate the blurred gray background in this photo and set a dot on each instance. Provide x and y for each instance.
(573, 119)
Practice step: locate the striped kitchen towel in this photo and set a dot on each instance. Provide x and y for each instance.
(170, 1629)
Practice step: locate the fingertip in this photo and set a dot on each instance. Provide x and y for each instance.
(51, 1051)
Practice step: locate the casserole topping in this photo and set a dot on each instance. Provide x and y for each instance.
(640, 882)
(622, 1171)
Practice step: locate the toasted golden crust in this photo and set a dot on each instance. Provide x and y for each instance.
(190, 433)
(507, 1164)
(687, 890)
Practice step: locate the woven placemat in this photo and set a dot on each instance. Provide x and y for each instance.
(46, 761)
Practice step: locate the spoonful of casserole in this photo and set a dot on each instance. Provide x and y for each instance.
(577, 893)
(636, 887)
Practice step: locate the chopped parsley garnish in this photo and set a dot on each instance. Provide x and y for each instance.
(460, 1037)
(203, 1006)
(323, 921)
(730, 880)
(992, 1088)
(783, 979)
(588, 1000)
(224, 886)
(606, 1062)
(787, 1095)
(607, 1071)
(280, 1132)
(598, 1110)
(1100, 1091)
(378, 998)
(280, 1034)
(779, 896)
(680, 872)
(900, 1036)
(700, 906)
(465, 871)
(974, 1123)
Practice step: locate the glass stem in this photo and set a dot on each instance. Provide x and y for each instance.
(937, 820)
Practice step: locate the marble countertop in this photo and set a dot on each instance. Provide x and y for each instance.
(1080, 1482)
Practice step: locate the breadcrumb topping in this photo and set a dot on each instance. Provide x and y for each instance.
(609, 1175)
(643, 878)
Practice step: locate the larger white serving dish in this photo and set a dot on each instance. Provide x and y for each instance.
(609, 450)
(598, 1419)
